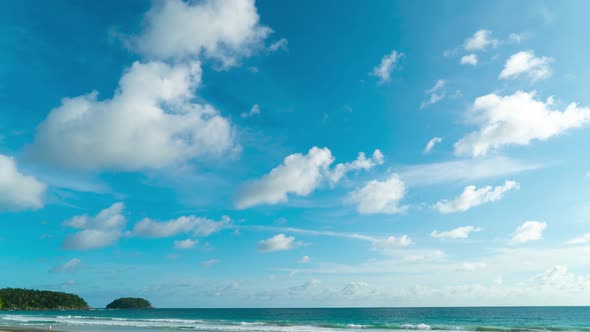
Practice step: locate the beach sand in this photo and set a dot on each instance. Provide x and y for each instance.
(22, 329)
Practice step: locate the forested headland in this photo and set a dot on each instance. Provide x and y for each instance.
(28, 299)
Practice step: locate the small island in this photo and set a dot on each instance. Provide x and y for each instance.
(130, 303)
(29, 299)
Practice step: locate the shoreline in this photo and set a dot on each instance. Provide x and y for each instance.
(19, 328)
(4, 328)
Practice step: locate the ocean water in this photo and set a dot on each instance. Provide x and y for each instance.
(308, 320)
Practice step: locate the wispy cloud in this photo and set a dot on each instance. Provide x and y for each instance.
(385, 68)
(464, 170)
(473, 196)
(68, 266)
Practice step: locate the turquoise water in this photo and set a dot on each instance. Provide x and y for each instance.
(309, 320)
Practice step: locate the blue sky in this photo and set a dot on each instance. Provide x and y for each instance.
(232, 153)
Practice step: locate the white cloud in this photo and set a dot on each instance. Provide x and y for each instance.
(360, 163)
(185, 244)
(584, 239)
(279, 45)
(380, 196)
(529, 231)
(472, 197)
(386, 67)
(423, 255)
(525, 63)
(466, 170)
(377, 242)
(96, 232)
(457, 233)
(304, 260)
(255, 110)
(560, 278)
(209, 262)
(435, 94)
(196, 226)
(437, 86)
(471, 266)
(469, 59)
(392, 242)
(430, 145)
(67, 266)
(480, 41)
(299, 175)
(353, 288)
(18, 191)
(279, 242)
(516, 120)
(150, 122)
(303, 289)
(516, 38)
(221, 30)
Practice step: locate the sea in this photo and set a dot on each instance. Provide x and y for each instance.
(306, 320)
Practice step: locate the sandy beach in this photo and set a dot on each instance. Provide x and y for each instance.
(22, 329)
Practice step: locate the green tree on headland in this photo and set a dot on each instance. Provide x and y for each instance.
(130, 303)
(27, 299)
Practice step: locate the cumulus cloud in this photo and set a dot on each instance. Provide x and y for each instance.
(480, 40)
(560, 278)
(388, 64)
(196, 226)
(380, 196)
(580, 239)
(392, 242)
(528, 231)
(185, 244)
(516, 119)
(279, 242)
(67, 266)
(430, 145)
(457, 233)
(99, 231)
(150, 122)
(435, 94)
(254, 111)
(353, 288)
(304, 288)
(224, 31)
(18, 191)
(360, 163)
(526, 64)
(472, 197)
(469, 59)
(300, 175)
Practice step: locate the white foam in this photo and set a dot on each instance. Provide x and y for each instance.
(198, 325)
(355, 326)
(416, 327)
